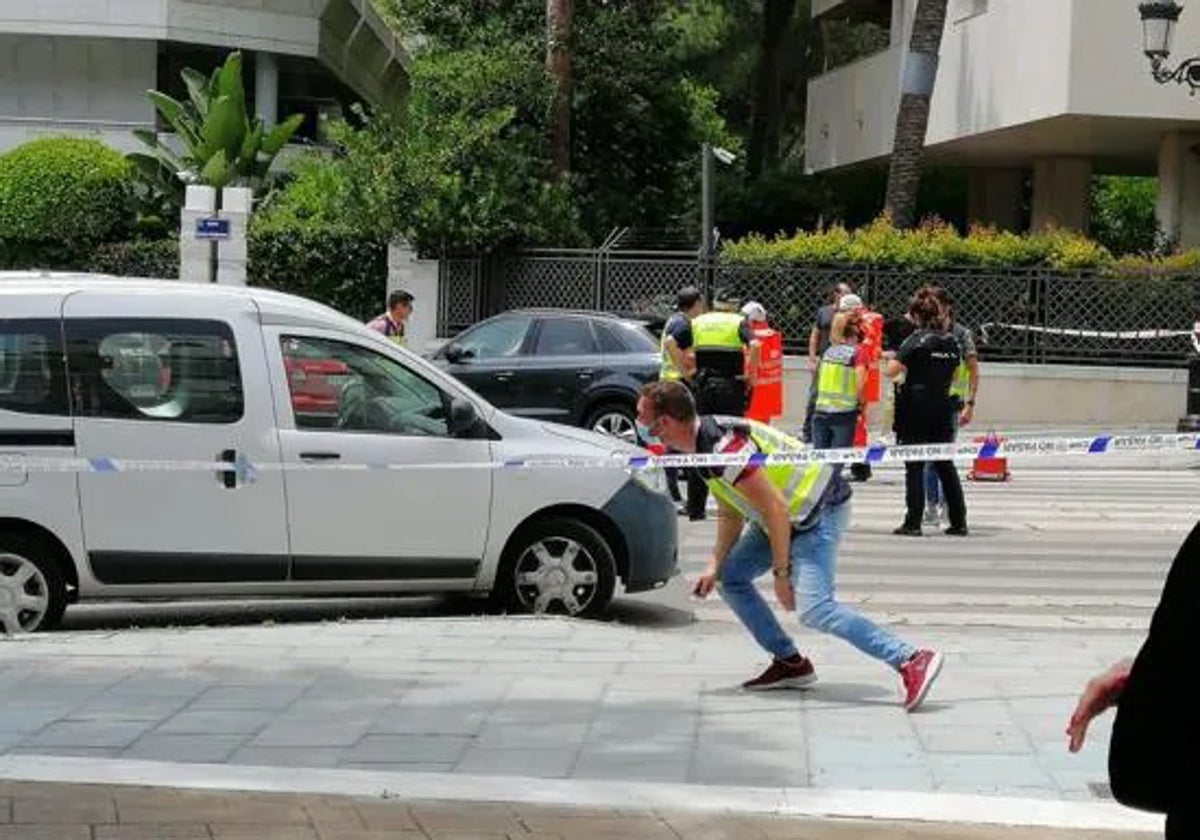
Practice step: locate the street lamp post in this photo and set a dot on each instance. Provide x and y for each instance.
(708, 230)
(1159, 19)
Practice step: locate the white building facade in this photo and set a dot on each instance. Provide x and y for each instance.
(1047, 91)
(84, 66)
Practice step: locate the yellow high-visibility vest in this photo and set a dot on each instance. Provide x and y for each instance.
(802, 485)
(837, 381)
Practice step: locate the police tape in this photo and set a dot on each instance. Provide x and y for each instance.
(879, 453)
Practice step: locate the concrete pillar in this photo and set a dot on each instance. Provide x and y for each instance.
(1062, 193)
(421, 278)
(236, 205)
(995, 198)
(1178, 208)
(266, 87)
(195, 255)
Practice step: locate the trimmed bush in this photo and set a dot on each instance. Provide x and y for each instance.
(937, 245)
(334, 265)
(59, 198)
(157, 258)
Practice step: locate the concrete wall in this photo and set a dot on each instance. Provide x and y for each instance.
(94, 86)
(983, 84)
(1057, 396)
(420, 278)
(1011, 64)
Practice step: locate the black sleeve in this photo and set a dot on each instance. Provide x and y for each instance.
(745, 333)
(1154, 756)
(681, 331)
(909, 348)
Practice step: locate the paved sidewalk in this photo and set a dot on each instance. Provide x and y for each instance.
(38, 811)
(555, 698)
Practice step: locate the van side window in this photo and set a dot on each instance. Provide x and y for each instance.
(334, 385)
(171, 370)
(32, 376)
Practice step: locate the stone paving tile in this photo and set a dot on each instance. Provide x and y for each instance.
(168, 831)
(540, 763)
(287, 756)
(88, 734)
(215, 722)
(405, 749)
(84, 806)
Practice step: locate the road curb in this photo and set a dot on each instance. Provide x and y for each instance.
(784, 802)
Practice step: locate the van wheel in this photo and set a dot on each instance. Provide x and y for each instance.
(557, 564)
(33, 593)
(616, 419)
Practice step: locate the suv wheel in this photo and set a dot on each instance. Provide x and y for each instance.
(616, 419)
(33, 594)
(557, 564)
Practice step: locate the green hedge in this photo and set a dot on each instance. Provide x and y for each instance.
(935, 244)
(333, 265)
(140, 258)
(59, 198)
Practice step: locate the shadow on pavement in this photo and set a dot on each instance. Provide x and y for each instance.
(123, 615)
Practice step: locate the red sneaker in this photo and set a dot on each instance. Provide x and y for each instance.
(918, 674)
(797, 672)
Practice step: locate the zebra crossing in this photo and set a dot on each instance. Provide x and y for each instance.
(1084, 550)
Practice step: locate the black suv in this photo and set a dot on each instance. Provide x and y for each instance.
(578, 368)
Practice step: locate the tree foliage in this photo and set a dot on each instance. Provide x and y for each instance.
(1123, 217)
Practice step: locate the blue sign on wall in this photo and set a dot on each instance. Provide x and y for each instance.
(212, 229)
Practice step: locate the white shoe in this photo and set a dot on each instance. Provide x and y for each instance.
(933, 514)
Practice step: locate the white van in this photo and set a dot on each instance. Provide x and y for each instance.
(101, 368)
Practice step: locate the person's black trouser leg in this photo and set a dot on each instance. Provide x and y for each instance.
(952, 492)
(914, 493)
(1182, 826)
(672, 474)
(697, 494)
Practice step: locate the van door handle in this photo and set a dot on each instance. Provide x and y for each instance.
(229, 476)
(586, 374)
(503, 376)
(320, 456)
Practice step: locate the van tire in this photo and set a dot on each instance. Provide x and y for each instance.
(22, 550)
(527, 583)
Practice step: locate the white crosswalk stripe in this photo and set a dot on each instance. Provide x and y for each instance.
(1085, 550)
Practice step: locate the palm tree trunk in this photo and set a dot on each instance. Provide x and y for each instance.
(912, 120)
(558, 64)
(766, 120)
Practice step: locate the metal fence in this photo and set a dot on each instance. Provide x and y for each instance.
(1017, 315)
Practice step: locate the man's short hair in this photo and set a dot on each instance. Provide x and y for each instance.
(687, 297)
(399, 298)
(670, 399)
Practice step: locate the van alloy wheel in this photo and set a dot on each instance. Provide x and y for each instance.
(556, 570)
(24, 594)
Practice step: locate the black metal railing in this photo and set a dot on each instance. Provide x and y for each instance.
(1018, 315)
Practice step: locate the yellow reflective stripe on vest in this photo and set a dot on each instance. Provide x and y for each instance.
(717, 330)
(667, 371)
(837, 381)
(960, 386)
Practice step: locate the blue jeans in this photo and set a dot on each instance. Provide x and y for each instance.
(834, 431)
(814, 561)
(933, 487)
